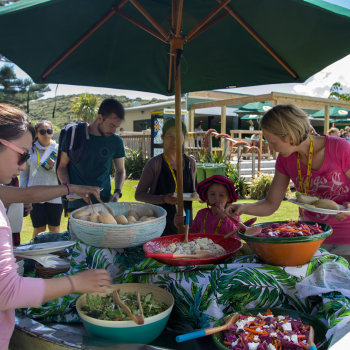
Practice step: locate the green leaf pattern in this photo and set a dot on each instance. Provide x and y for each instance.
(205, 293)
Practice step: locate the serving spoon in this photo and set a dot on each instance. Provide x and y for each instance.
(203, 254)
(141, 318)
(311, 338)
(118, 301)
(208, 331)
(109, 209)
(187, 221)
(249, 231)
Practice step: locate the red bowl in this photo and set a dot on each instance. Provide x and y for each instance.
(231, 245)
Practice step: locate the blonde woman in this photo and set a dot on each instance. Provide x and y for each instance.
(333, 132)
(286, 128)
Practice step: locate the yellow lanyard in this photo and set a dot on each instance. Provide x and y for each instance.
(311, 151)
(37, 152)
(171, 169)
(205, 220)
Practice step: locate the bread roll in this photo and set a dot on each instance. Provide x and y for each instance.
(131, 219)
(146, 212)
(81, 213)
(95, 217)
(326, 204)
(121, 219)
(144, 218)
(302, 198)
(85, 218)
(106, 218)
(194, 195)
(133, 213)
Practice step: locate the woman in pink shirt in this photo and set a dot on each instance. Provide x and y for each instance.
(286, 128)
(16, 137)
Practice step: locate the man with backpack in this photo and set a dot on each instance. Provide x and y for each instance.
(88, 151)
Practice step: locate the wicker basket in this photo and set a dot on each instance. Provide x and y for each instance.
(121, 236)
(47, 272)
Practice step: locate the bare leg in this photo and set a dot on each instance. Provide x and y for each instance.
(38, 230)
(55, 229)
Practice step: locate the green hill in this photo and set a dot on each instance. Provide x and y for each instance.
(42, 109)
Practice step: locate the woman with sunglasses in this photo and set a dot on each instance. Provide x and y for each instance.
(41, 170)
(16, 137)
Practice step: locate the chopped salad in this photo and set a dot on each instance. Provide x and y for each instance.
(267, 332)
(104, 307)
(290, 229)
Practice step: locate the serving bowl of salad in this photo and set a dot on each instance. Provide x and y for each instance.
(103, 318)
(267, 328)
(287, 243)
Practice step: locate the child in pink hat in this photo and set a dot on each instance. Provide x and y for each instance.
(216, 191)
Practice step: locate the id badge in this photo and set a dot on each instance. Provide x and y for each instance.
(35, 171)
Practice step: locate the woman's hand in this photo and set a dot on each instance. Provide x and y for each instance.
(85, 192)
(170, 199)
(234, 210)
(344, 215)
(178, 219)
(90, 281)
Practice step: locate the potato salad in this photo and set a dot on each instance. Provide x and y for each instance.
(193, 247)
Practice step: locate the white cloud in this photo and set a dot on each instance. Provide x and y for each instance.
(320, 83)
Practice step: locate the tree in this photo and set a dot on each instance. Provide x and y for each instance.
(31, 91)
(335, 93)
(85, 107)
(7, 2)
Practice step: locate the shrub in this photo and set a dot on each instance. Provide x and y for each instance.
(240, 183)
(134, 163)
(260, 187)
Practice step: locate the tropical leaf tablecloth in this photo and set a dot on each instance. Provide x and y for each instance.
(205, 293)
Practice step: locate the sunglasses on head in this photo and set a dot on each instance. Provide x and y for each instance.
(24, 156)
(43, 131)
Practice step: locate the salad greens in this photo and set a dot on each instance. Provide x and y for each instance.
(104, 307)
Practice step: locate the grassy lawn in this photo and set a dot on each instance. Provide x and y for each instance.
(286, 211)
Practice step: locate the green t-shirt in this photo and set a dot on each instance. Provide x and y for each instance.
(96, 168)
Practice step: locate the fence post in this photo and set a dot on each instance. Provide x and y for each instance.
(239, 161)
(253, 163)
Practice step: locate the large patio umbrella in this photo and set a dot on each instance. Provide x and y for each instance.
(251, 117)
(334, 112)
(143, 44)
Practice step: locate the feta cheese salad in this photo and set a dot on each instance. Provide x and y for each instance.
(267, 332)
(104, 307)
(193, 247)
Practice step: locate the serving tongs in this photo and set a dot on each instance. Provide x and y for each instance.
(137, 319)
(109, 209)
(209, 331)
(311, 338)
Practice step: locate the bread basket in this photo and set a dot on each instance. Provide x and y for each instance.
(119, 236)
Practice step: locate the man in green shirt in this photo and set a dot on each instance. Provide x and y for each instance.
(103, 148)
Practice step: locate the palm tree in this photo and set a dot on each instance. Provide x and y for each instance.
(85, 107)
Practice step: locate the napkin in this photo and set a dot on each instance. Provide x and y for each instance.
(48, 260)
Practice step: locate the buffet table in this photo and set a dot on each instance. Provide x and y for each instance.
(204, 294)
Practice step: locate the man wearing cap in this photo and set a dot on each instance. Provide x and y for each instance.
(103, 149)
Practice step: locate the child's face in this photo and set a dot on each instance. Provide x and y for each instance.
(217, 194)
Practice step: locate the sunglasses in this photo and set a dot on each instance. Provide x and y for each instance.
(24, 156)
(43, 131)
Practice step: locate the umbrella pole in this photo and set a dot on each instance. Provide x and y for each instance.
(178, 128)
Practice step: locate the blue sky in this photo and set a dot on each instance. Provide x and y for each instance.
(318, 85)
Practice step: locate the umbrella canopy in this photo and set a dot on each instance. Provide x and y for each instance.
(255, 107)
(125, 44)
(335, 112)
(251, 117)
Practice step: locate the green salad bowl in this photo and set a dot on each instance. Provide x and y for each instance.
(319, 327)
(129, 331)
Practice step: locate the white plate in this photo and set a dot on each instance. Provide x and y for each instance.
(187, 197)
(42, 248)
(75, 196)
(342, 209)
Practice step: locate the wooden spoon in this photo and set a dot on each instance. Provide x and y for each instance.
(203, 254)
(118, 301)
(141, 318)
(208, 331)
(92, 207)
(109, 209)
(222, 238)
(311, 339)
